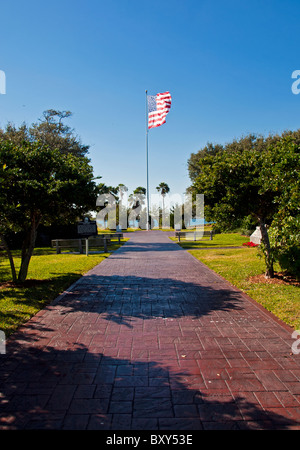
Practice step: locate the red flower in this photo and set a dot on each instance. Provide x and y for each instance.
(250, 244)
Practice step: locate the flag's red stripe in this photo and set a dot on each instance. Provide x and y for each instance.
(158, 117)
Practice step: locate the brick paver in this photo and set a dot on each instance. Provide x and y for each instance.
(151, 339)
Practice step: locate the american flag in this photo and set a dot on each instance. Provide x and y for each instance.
(158, 107)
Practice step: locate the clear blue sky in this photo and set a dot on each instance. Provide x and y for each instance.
(227, 64)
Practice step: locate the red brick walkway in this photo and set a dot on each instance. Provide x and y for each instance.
(151, 339)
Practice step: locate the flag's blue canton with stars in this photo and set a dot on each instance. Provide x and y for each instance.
(158, 107)
(151, 103)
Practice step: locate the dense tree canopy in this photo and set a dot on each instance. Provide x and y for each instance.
(248, 142)
(40, 184)
(252, 176)
(50, 131)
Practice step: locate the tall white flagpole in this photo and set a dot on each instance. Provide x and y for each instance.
(148, 204)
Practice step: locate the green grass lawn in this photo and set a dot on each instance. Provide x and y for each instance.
(49, 275)
(238, 265)
(109, 231)
(219, 240)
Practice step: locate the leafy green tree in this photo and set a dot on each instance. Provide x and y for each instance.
(140, 191)
(249, 142)
(40, 185)
(232, 186)
(257, 177)
(193, 162)
(137, 198)
(136, 201)
(109, 194)
(50, 131)
(281, 174)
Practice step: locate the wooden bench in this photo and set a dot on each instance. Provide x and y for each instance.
(99, 241)
(194, 235)
(80, 244)
(118, 236)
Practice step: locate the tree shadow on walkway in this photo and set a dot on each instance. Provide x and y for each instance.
(110, 355)
(122, 299)
(54, 388)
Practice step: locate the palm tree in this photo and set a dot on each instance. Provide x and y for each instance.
(137, 200)
(164, 189)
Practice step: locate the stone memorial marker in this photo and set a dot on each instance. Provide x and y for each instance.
(256, 236)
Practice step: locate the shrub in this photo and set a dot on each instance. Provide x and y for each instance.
(285, 244)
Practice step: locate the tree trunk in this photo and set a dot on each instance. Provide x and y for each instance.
(267, 249)
(27, 249)
(10, 257)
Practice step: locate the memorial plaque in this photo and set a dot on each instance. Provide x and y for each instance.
(87, 228)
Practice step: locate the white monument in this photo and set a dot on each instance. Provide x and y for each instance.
(256, 236)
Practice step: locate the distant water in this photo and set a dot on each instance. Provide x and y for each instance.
(192, 223)
(195, 222)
